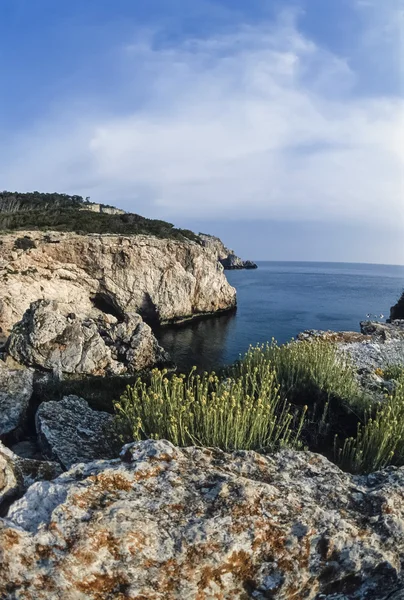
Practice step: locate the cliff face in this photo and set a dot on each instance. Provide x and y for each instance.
(224, 255)
(163, 280)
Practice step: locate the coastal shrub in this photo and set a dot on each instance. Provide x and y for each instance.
(61, 212)
(380, 438)
(315, 374)
(313, 370)
(392, 372)
(243, 412)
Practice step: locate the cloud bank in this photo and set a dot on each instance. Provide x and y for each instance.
(257, 123)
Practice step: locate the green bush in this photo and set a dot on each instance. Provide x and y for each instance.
(313, 371)
(60, 212)
(393, 372)
(380, 438)
(242, 412)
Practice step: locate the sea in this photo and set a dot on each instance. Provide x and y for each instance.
(280, 299)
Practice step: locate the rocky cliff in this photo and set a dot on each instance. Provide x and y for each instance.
(199, 524)
(397, 311)
(163, 280)
(225, 256)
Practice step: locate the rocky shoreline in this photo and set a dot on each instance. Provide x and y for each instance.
(82, 518)
(78, 521)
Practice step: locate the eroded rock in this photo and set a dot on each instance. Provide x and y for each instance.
(70, 432)
(225, 256)
(162, 279)
(17, 474)
(199, 524)
(53, 338)
(16, 388)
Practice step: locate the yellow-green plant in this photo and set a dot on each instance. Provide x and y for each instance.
(237, 412)
(380, 438)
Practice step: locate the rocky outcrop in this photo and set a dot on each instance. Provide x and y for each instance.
(226, 257)
(161, 279)
(397, 311)
(17, 474)
(69, 431)
(373, 352)
(49, 337)
(200, 524)
(16, 388)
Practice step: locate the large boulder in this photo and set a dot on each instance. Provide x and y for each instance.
(17, 474)
(69, 431)
(50, 337)
(200, 524)
(16, 388)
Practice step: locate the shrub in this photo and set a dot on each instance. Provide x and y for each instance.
(393, 372)
(242, 412)
(380, 438)
(24, 243)
(314, 373)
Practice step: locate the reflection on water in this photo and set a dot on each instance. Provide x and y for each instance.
(279, 300)
(202, 343)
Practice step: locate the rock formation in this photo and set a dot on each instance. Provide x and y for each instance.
(226, 257)
(201, 524)
(17, 474)
(16, 387)
(70, 432)
(49, 337)
(397, 311)
(162, 279)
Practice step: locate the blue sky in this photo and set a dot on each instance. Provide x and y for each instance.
(276, 125)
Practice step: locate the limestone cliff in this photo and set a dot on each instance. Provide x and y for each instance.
(162, 279)
(225, 256)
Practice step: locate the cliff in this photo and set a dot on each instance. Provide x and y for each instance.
(226, 257)
(163, 280)
(397, 311)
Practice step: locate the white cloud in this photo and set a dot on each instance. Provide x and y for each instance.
(260, 123)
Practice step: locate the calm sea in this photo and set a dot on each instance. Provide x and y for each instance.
(278, 300)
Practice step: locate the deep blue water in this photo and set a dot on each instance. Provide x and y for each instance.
(278, 300)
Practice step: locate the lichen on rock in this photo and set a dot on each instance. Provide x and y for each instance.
(200, 524)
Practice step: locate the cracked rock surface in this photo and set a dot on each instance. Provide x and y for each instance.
(199, 524)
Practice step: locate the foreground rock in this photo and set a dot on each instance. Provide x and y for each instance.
(70, 432)
(197, 524)
(16, 388)
(225, 256)
(17, 474)
(162, 279)
(48, 338)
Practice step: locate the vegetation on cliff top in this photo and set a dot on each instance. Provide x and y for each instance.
(61, 212)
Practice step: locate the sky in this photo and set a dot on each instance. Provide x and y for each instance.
(277, 125)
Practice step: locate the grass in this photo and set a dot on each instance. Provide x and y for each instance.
(242, 412)
(379, 441)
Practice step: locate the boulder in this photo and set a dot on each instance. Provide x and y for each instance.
(52, 338)
(16, 388)
(200, 524)
(17, 474)
(69, 431)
